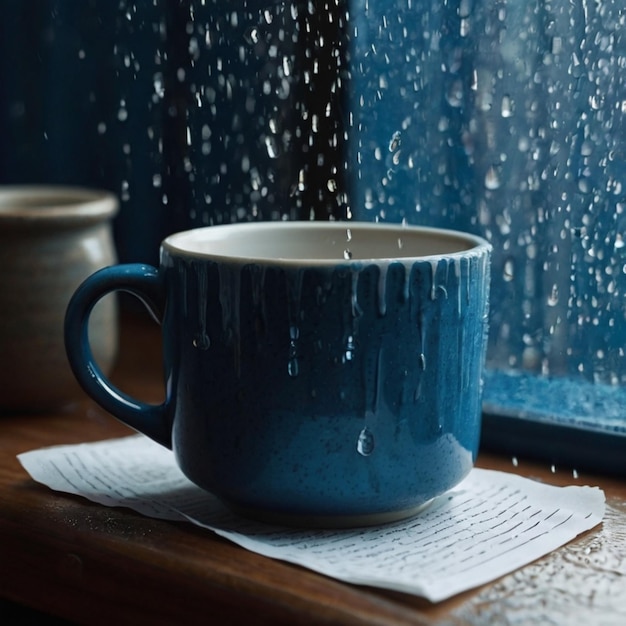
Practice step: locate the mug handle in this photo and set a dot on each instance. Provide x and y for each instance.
(144, 282)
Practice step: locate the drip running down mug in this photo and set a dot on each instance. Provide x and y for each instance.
(317, 373)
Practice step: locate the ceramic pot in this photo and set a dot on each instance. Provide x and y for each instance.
(51, 239)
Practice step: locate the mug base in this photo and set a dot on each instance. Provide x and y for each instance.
(327, 521)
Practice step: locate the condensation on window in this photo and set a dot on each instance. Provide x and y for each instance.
(503, 118)
(507, 119)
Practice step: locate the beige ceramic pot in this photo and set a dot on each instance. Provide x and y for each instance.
(51, 238)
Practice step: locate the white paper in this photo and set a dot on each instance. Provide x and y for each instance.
(488, 526)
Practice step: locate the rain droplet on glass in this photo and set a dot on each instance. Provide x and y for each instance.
(492, 180)
(553, 298)
(506, 108)
(509, 270)
(272, 149)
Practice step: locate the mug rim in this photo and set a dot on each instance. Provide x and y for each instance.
(42, 203)
(469, 244)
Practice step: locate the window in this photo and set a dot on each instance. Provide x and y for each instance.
(504, 119)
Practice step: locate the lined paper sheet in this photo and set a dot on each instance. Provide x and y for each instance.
(488, 526)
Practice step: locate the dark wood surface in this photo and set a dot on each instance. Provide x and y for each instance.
(69, 558)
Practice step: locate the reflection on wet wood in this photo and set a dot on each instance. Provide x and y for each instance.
(582, 583)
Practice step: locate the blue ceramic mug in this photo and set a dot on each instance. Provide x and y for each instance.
(318, 373)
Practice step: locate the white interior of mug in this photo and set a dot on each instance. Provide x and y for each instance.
(320, 242)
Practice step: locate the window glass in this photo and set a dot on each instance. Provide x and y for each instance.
(506, 119)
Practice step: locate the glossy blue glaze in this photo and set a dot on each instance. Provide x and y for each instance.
(144, 282)
(349, 389)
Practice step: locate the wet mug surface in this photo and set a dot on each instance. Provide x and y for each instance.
(317, 373)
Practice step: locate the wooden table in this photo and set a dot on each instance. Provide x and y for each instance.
(67, 557)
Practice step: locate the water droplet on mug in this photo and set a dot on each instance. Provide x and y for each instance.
(201, 341)
(293, 367)
(347, 254)
(365, 443)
